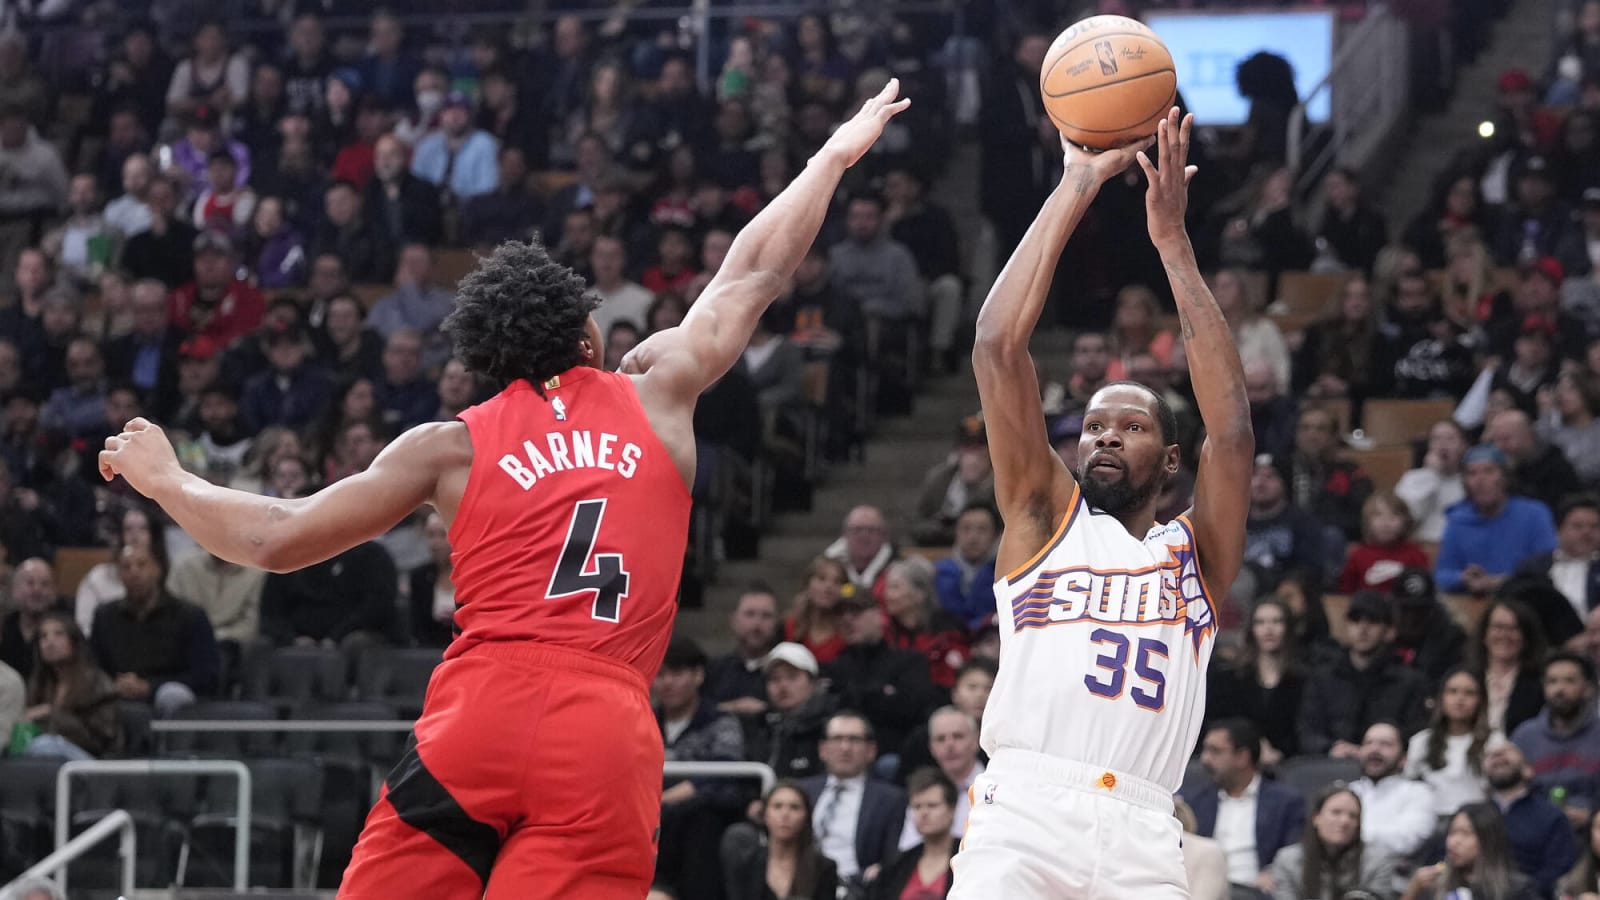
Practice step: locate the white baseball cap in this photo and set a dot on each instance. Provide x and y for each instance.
(792, 654)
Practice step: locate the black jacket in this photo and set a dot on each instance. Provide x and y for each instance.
(352, 591)
(173, 642)
(788, 741)
(891, 687)
(1341, 702)
(1532, 585)
(745, 874)
(895, 875)
(413, 217)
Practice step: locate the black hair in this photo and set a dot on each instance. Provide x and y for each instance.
(1575, 502)
(931, 777)
(1165, 417)
(1567, 656)
(683, 653)
(1242, 734)
(866, 723)
(983, 507)
(979, 664)
(519, 314)
(873, 197)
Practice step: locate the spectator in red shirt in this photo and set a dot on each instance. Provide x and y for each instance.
(216, 304)
(916, 622)
(814, 621)
(1386, 548)
(675, 270)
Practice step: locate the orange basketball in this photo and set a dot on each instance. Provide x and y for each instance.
(1106, 82)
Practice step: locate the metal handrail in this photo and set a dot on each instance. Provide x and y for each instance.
(117, 821)
(149, 767)
(272, 726)
(1344, 58)
(762, 771)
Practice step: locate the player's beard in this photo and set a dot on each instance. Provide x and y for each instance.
(1118, 496)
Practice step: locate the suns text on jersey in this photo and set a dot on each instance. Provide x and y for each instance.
(562, 451)
(1163, 593)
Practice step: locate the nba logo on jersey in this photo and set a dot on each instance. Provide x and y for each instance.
(560, 409)
(988, 792)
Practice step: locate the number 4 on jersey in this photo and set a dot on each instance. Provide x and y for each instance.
(608, 581)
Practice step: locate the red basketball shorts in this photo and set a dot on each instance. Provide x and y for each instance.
(536, 774)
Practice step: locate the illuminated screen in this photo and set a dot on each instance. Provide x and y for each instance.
(1208, 47)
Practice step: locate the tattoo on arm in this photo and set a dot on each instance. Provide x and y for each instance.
(1084, 182)
(1194, 296)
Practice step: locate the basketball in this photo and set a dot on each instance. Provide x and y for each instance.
(1106, 81)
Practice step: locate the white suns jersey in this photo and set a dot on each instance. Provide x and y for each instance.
(1104, 644)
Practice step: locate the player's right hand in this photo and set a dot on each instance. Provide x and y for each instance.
(141, 454)
(854, 138)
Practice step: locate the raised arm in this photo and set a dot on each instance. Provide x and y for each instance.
(284, 535)
(1032, 487)
(1221, 493)
(691, 357)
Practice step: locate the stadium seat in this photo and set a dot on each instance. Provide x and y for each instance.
(27, 812)
(398, 676)
(72, 563)
(1307, 293)
(159, 804)
(353, 765)
(1310, 774)
(1397, 423)
(223, 744)
(293, 676)
(285, 833)
(1384, 465)
(136, 716)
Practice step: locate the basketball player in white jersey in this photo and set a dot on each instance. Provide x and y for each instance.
(1106, 618)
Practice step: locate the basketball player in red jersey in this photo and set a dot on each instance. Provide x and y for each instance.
(536, 771)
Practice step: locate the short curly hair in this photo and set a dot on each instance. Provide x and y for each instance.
(520, 314)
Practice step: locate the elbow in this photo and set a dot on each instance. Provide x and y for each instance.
(996, 345)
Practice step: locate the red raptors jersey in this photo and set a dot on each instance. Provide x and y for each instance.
(572, 527)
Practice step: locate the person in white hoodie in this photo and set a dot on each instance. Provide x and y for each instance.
(1436, 486)
(33, 184)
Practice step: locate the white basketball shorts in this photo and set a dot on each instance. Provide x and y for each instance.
(1045, 828)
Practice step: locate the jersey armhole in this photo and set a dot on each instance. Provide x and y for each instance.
(469, 497)
(1199, 570)
(1055, 539)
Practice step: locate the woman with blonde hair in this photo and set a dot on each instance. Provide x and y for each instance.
(814, 616)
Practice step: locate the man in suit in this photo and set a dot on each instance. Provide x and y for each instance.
(1572, 570)
(1251, 818)
(857, 819)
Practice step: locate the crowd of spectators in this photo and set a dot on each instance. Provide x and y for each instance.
(251, 235)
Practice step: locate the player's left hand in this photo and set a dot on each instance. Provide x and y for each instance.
(854, 138)
(141, 454)
(1167, 199)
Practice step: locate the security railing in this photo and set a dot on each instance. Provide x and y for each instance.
(1369, 85)
(118, 822)
(153, 767)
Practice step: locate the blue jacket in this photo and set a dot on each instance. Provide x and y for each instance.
(972, 606)
(477, 166)
(1541, 840)
(1280, 816)
(1523, 528)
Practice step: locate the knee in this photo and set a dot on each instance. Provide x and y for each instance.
(171, 697)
